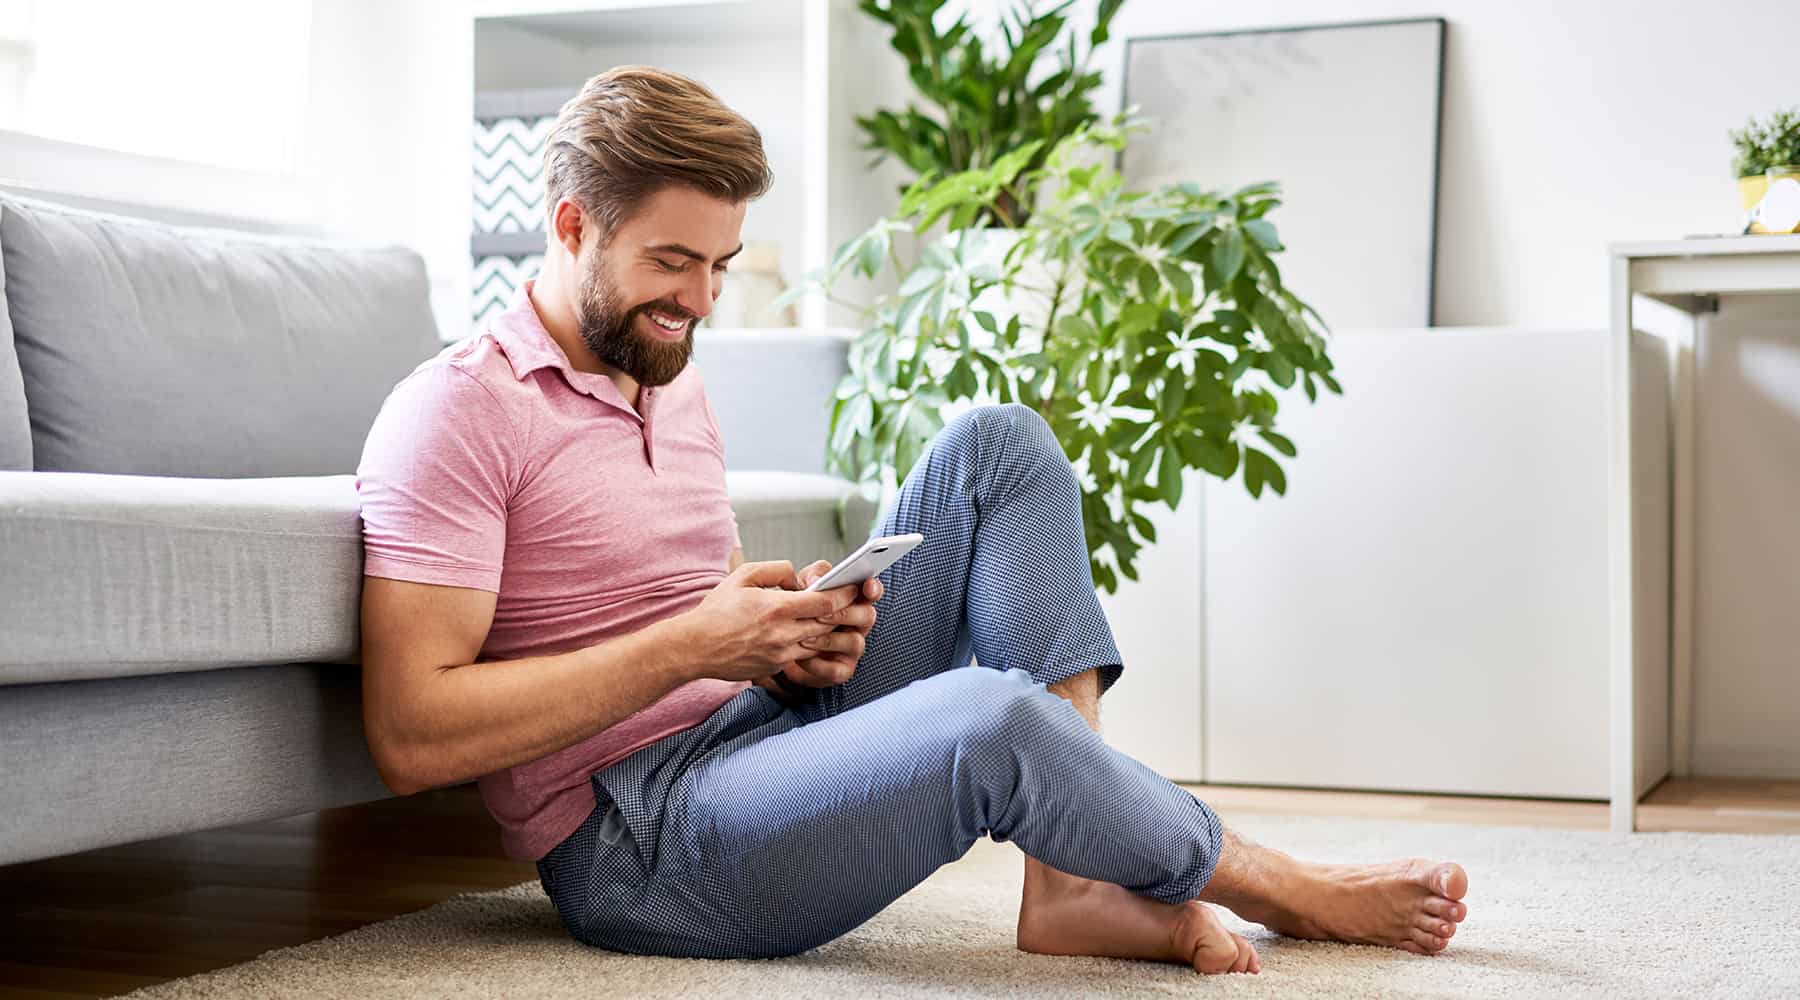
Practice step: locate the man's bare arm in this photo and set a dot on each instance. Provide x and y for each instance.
(434, 717)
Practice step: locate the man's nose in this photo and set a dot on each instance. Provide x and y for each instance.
(697, 296)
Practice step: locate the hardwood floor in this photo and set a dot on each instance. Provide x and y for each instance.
(1710, 805)
(109, 921)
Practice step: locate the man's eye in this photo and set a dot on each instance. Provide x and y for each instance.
(667, 266)
(721, 269)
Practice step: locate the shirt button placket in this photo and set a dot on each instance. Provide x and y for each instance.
(649, 439)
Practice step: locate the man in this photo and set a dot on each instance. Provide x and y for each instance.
(704, 759)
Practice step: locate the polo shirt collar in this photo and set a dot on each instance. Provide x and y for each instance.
(529, 347)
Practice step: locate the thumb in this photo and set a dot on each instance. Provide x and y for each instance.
(779, 573)
(812, 571)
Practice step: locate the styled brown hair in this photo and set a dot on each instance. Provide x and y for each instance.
(634, 130)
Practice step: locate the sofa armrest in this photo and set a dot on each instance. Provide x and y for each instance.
(771, 390)
(116, 575)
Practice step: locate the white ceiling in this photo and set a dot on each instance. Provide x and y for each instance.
(596, 23)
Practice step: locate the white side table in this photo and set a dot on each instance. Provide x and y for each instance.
(1651, 493)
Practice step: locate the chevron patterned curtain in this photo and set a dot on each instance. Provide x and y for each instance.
(508, 209)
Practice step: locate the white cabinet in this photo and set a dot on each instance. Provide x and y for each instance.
(1153, 713)
(1426, 608)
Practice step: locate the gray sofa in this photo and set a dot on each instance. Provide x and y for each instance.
(182, 409)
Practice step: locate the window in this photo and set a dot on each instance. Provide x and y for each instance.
(219, 82)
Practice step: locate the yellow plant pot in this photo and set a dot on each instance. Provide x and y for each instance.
(1751, 189)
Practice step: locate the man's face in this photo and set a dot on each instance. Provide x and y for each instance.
(640, 297)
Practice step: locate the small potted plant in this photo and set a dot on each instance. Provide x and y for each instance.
(1766, 151)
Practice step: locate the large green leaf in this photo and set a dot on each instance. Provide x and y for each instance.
(1144, 527)
(1228, 255)
(1260, 470)
(1278, 442)
(1263, 232)
(1168, 477)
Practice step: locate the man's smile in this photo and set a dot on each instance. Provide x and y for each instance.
(667, 326)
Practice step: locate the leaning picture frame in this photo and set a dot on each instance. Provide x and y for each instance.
(1346, 117)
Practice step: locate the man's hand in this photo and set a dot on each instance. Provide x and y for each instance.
(836, 652)
(753, 623)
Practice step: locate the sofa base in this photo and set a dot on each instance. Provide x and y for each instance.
(95, 763)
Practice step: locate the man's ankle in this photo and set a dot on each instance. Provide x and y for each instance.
(1252, 877)
(1083, 691)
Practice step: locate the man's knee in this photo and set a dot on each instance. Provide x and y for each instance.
(1002, 430)
(988, 708)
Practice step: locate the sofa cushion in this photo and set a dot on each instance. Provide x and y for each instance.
(113, 576)
(154, 349)
(15, 427)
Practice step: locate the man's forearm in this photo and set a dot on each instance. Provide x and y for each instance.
(484, 717)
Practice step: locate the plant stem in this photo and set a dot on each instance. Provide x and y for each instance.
(1062, 281)
(834, 300)
(1009, 219)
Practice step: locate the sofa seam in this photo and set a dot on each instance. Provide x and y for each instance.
(10, 518)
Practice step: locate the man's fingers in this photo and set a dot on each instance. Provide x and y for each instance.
(777, 573)
(872, 589)
(818, 603)
(847, 644)
(858, 616)
(820, 671)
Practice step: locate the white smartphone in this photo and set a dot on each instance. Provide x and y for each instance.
(870, 558)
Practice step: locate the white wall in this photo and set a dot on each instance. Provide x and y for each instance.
(388, 132)
(1566, 126)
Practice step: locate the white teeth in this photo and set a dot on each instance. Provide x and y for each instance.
(666, 324)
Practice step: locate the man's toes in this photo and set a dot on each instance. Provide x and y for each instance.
(1450, 880)
(1434, 925)
(1428, 941)
(1247, 960)
(1447, 909)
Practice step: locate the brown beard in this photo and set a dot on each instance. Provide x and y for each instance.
(607, 329)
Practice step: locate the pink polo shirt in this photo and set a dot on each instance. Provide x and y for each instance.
(496, 465)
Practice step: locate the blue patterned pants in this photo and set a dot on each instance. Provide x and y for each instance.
(770, 829)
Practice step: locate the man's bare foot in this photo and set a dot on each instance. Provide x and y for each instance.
(1063, 915)
(1413, 905)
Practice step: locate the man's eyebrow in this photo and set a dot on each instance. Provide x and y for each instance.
(689, 252)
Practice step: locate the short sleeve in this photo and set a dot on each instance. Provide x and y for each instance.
(718, 436)
(434, 482)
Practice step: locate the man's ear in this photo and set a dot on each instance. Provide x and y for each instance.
(566, 223)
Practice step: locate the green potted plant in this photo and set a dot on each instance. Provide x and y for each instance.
(1765, 151)
(1150, 329)
(984, 104)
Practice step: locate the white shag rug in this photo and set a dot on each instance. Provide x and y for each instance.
(1551, 912)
